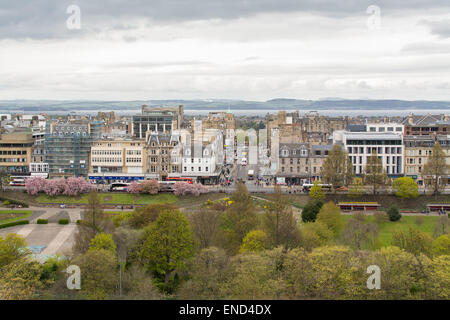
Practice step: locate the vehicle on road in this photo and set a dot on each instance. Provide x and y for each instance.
(244, 161)
(251, 174)
(184, 179)
(325, 187)
(118, 187)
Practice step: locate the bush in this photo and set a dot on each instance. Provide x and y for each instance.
(15, 223)
(78, 222)
(6, 203)
(63, 221)
(393, 213)
(42, 221)
(310, 211)
(15, 202)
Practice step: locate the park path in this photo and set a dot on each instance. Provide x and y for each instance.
(60, 239)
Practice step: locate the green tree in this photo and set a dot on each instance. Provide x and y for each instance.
(12, 248)
(436, 167)
(441, 245)
(330, 214)
(393, 213)
(315, 234)
(103, 241)
(141, 217)
(256, 276)
(310, 211)
(207, 273)
(405, 188)
(205, 224)
(239, 219)
(20, 280)
(413, 241)
(99, 274)
(360, 234)
(167, 243)
(254, 241)
(279, 222)
(442, 226)
(316, 191)
(374, 173)
(356, 189)
(337, 168)
(95, 221)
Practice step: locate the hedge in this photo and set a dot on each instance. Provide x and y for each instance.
(15, 223)
(42, 221)
(63, 221)
(16, 202)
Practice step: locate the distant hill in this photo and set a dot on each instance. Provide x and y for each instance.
(34, 106)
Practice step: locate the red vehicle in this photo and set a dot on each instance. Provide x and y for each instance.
(188, 180)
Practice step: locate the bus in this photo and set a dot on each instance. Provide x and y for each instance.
(325, 187)
(118, 187)
(175, 179)
(17, 182)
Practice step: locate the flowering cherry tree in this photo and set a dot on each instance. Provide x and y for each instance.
(150, 186)
(134, 187)
(53, 187)
(181, 188)
(35, 185)
(75, 186)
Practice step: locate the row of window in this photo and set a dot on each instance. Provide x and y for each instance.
(106, 152)
(291, 169)
(13, 159)
(134, 160)
(195, 160)
(39, 167)
(115, 160)
(383, 129)
(193, 169)
(387, 150)
(12, 152)
(174, 169)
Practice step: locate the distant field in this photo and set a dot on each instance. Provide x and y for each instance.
(112, 198)
(7, 216)
(387, 229)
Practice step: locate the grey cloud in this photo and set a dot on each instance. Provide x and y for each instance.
(43, 19)
(440, 28)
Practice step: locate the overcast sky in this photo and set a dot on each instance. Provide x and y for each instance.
(234, 49)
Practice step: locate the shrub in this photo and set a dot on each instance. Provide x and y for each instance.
(15, 202)
(393, 213)
(6, 203)
(78, 222)
(15, 223)
(310, 211)
(63, 221)
(42, 221)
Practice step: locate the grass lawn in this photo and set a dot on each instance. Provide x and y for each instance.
(112, 198)
(7, 216)
(387, 229)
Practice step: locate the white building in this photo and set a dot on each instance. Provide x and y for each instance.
(390, 127)
(360, 145)
(200, 164)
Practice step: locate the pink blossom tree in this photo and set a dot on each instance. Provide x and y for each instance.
(35, 185)
(75, 186)
(150, 186)
(134, 187)
(181, 188)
